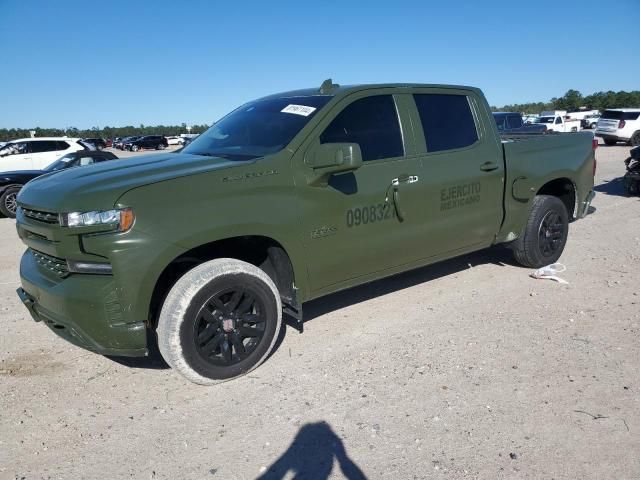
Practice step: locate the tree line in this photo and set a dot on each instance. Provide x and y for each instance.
(105, 132)
(573, 101)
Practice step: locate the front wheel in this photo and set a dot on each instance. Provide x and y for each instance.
(545, 234)
(135, 148)
(635, 139)
(219, 321)
(8, 201)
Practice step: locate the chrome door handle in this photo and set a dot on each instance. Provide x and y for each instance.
(488, 166)
(404, 179)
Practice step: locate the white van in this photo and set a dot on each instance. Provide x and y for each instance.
(35, 153)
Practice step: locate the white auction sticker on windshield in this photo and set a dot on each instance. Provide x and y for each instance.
(299, 110)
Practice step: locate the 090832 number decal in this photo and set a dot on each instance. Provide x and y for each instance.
(374, 213)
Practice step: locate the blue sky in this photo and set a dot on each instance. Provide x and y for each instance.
(73, 63)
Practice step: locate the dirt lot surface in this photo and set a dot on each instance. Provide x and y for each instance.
(466, 369)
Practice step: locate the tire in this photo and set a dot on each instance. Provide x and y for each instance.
(593, 126)
(610, 142)
(160, 146)
(135, 148)
(199, 330)
(545, 234)
(8, 201)
(635, 139)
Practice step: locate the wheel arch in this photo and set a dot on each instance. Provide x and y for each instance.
(262, 251)
(563, 188)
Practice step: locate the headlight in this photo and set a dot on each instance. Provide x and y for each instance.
(122, 218)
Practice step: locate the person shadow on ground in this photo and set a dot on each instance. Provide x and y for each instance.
(311, 456)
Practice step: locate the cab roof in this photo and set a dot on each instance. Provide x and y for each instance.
(334, 90)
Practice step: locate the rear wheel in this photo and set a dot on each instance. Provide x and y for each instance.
(593, 126)
(135, 148)
(545, 234)
(610, 141)
(219, 321)
(635, 139)
(8, 201)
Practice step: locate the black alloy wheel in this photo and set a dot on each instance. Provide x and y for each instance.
(551, 233)
(229, 326)
(9, 202)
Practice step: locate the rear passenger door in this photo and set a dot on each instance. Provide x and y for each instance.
(462, 171)
(45, 152)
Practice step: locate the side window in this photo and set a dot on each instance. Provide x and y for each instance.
(17, 148)
(86, 161)
(40, 146)
(372, 123)
(558, 120)
(447, 121)
(515, 121)
(500, 122)
(62, 145)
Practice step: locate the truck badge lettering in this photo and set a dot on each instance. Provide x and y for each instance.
(459, 195)
(323, 231)
(250, 175)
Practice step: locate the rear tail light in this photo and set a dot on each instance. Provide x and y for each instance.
(621, 124)
(594, 143)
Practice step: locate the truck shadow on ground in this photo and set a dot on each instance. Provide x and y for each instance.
(311, 456)
(613, 187)
(497, 255)
(153, 361)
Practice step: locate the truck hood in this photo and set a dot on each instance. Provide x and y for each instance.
(98, 186)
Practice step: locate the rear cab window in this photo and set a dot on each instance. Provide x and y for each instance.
(447, 121)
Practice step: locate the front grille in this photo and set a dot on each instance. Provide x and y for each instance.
(44, 217)
(53, 264)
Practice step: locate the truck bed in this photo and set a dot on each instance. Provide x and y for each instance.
(530, 161)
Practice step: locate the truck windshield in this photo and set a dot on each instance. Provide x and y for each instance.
(257, 128)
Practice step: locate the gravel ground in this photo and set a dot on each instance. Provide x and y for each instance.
(466, 369)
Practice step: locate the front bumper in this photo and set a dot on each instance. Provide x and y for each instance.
(82, 309)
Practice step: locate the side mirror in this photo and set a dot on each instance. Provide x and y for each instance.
(326, 159)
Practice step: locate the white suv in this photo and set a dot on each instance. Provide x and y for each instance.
(619, 124)
(36, 153)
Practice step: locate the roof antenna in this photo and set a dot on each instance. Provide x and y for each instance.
(328, 85)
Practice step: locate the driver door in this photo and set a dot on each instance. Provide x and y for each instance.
(366, 221)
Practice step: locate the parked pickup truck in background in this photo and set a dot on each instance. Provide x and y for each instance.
(286, 199)
(556, 121)
(511, 123)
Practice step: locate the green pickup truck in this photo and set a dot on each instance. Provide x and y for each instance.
(286, 199)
